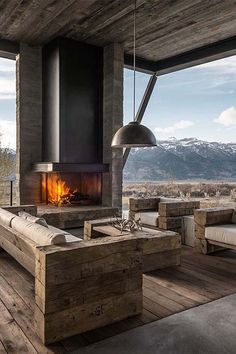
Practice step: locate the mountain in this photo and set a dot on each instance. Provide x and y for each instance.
(182, 159)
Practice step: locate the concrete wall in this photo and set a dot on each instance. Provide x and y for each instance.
(29, 123)
(112, 121)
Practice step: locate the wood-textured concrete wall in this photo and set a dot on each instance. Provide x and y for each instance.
(29, 123)
(112, 121)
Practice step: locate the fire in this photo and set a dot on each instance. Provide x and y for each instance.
(58, 192)
(63, 189)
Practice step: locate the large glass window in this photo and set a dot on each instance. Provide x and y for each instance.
(7, 129)
(193, 115)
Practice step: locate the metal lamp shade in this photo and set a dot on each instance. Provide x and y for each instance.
(133, 135)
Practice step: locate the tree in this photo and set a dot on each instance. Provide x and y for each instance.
(7, 162)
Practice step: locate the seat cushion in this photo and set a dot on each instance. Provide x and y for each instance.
(35, 219)
(222, 233)
(148, 218)
(41, 235)
(6, 217)
(188, 230)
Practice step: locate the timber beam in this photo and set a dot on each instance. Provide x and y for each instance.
(142, 108)
(214, 51)
(9, 49)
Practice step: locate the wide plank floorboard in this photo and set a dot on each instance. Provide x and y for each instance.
(2, 349)
(198, 280)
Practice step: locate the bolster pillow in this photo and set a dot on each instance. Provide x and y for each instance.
(6, 217)
(35, 219)
(39, 234)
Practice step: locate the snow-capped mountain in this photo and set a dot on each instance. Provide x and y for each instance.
(183, 159)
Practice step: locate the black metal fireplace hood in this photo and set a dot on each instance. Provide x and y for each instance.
(69, 167)
(72, 125)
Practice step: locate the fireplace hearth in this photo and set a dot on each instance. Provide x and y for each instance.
(71, 189)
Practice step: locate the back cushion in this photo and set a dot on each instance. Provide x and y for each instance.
(167, 200)
(39, 234)
(6, 217)
(234, 217)
(35, 219)
(148, 218)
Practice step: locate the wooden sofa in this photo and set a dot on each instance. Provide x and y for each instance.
(79, 285)
(215, 228)
(161, 212)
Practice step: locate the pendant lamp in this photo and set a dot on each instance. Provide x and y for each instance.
(133, 134)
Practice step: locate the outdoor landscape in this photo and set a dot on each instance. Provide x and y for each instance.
(7, 173)
(183, 159)
(185, 168)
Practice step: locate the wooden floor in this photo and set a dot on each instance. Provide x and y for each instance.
(198, 280)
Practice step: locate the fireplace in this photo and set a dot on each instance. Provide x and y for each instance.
(71, 189)
(72, 126)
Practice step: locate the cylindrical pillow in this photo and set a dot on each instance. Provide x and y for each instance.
(6, 217)
(35, 219)
(69, 237)
(39, 234)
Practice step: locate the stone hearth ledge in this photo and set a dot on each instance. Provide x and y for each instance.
(74, 216)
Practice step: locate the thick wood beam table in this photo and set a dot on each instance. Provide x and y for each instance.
(160, 248)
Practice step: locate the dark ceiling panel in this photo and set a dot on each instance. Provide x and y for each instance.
(165, 28)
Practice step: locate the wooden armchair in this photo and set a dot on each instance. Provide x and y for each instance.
(214, 228)
(168, 213)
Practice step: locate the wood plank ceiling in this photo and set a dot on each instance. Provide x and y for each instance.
(165, 28)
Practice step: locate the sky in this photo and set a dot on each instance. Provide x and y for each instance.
(7, 103)
(198, 102)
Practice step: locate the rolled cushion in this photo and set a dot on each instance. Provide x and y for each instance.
(72, 238)
(222, 233)
(35, 219)
(234, 217)
(41, 235)
(148, 218)
(6, 217)
(68, 237)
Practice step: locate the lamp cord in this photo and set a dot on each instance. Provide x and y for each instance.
(134, 64)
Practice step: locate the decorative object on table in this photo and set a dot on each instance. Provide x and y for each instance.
(123, 224)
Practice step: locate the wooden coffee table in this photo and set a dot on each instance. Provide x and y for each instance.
(160, 248)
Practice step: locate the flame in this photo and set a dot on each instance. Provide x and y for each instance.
(58, 191)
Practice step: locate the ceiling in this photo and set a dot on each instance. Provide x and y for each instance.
(165, 28)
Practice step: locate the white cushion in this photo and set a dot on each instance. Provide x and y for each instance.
(222, 233)
(168, 200)
(35, 219)
(72, 238)
(188, 230)
(125, 214)
(68, 237)
(148, 218)
(41, 235)
(6, 217)
(234, 217)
